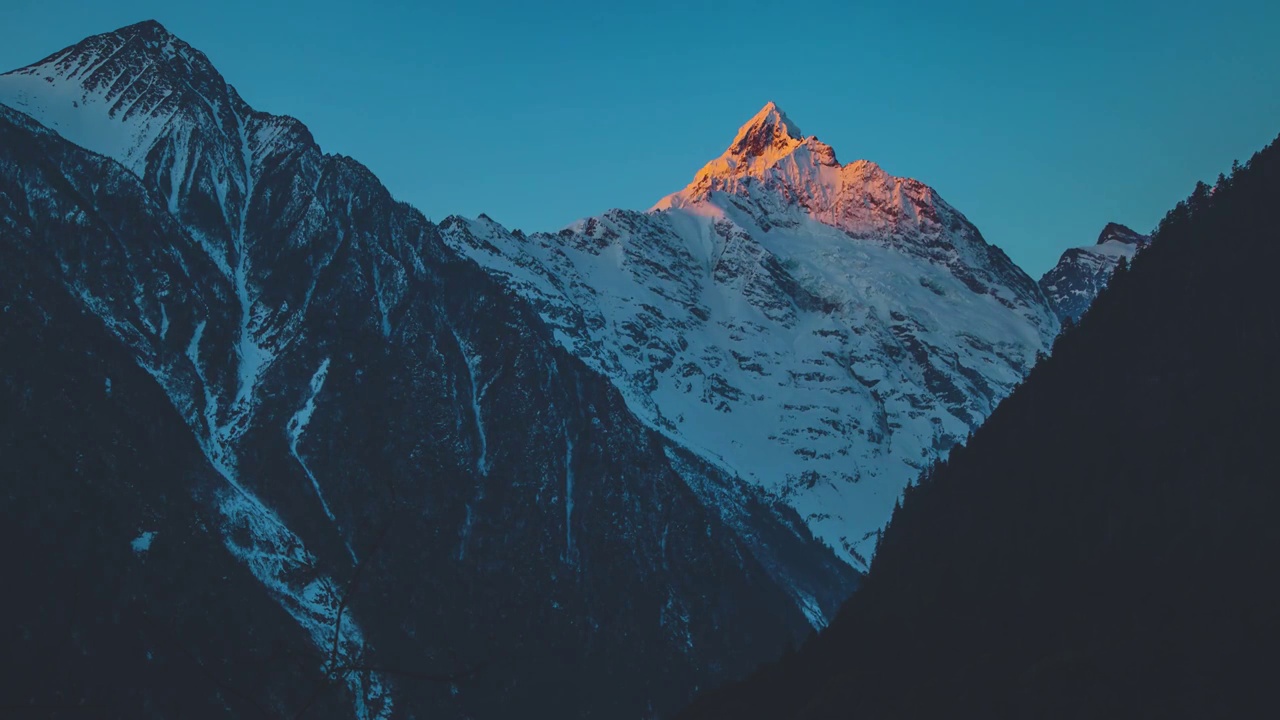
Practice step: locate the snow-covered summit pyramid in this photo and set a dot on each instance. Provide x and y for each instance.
(760, 144)
(823, 330)
(783, 179)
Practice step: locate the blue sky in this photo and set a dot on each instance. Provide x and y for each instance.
(1041, 124)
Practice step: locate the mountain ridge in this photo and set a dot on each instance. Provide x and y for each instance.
(366, 404)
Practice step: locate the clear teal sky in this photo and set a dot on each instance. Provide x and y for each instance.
(1040, 124)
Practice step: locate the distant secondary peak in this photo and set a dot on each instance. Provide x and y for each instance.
(1115, 232)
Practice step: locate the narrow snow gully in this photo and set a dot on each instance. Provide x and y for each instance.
(252, 356)
(273, 552)
(279, 560)
(252, 531)
(296, 426)
(570, 556)
(277, 557)
(472, 362)
(478, 391)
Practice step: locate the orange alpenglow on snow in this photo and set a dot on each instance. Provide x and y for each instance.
(770, 153)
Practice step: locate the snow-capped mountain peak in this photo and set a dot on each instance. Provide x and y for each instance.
(773, 176)
(1082, 272)
(768, 143)
(822, 330)
(771, 121)
(766, 138)
(118, 93)
(1115, 232)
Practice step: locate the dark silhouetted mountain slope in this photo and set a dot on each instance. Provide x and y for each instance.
(272, 446)
(1104, 545)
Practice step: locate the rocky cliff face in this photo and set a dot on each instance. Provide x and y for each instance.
(823, 330)
(294, 453)
(1082, 272)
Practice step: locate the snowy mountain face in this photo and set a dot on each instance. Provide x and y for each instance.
(823, 330)
(306, 458)
(1082, 272)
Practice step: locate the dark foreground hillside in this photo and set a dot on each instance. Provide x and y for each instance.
(269, 448)
(1105, 546)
